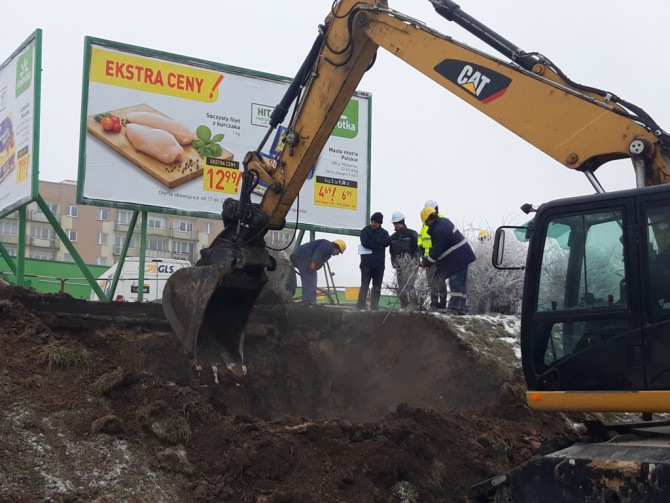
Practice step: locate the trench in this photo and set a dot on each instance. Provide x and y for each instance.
(325, 363)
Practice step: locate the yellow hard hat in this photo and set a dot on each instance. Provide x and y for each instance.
(340, 244)
(426, 212)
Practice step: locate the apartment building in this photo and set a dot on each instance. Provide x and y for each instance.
(98, 233)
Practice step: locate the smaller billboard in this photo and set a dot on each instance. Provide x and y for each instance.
(19, 124)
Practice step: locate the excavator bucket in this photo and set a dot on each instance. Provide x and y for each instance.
(208, 307)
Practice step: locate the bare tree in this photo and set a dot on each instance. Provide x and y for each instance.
(492, 290)
(415, 286)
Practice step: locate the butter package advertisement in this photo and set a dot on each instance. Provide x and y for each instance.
(7, 148)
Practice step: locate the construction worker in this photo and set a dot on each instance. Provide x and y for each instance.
(404, 250)
(374, 240)
(437, 286)
(484, 236)
(451, 254)
(309, 258)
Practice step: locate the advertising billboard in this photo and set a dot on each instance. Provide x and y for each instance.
(19, 124)
(169, 133)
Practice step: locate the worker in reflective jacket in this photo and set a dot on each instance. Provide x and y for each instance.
(309, 258)
(452, 255)
(437, 285)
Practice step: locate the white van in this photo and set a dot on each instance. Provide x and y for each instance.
(156, 273)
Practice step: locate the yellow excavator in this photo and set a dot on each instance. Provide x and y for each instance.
(593, 333)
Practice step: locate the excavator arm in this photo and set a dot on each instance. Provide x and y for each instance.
(581, 127)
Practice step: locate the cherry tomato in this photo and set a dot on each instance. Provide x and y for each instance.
(107, 124)
(115, 119)
(117, 127)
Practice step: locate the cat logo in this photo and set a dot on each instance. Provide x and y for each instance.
(483, 83)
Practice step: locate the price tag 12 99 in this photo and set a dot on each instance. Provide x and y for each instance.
(222, 179)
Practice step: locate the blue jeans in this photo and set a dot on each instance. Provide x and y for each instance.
(376, 274)
(308, 278)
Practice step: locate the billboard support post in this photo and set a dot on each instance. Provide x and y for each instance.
(68, 244)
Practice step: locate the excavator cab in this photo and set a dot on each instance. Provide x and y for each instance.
(596, 303)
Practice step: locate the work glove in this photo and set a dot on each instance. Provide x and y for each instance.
(312, 266)
(423, 263)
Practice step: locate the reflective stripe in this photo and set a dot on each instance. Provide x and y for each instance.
(455, 247)
(457, 294)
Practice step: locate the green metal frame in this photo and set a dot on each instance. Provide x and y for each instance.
(18, 266)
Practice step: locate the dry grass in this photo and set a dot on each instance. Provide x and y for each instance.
(107, 382)
(172, 430)
(437, 474)
(60, 357)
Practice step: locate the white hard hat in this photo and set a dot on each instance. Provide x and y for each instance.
(430, 203)
(397, 216)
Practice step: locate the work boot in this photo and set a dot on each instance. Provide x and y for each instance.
(374, 300)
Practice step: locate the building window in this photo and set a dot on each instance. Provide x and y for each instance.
(72, 235)
(156, 222)
(41, 255)
(183, 225)
(67, 258)
(72, 211)
(53, 208)
(40, 232)
(101, 261)
(182, 247)
(118, 244)
(12, 252)
(157, 245)
(123, 217)
(119, 240)
(9, 228)
(102, 239)
(103, 214)
(209, 227)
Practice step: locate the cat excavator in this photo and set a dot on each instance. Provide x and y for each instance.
(593, 329)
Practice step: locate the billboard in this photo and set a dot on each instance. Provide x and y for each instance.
(19, 124)
(164, 132)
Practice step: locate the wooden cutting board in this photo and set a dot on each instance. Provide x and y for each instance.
(170, 175)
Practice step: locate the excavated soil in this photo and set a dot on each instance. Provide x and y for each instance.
(99, 403)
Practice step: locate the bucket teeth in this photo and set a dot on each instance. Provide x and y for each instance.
(208, 307)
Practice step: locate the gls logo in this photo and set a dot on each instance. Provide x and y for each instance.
(160, 268)
(166, 269)
(483, 83)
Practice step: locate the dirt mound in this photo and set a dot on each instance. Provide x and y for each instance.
(338, 406)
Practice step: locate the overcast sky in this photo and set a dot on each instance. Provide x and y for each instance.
(426, 143)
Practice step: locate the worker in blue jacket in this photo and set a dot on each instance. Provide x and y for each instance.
(374, 241)
(452, 255)
(309, 258)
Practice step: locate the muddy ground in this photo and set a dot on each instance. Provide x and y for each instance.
(99, 403)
